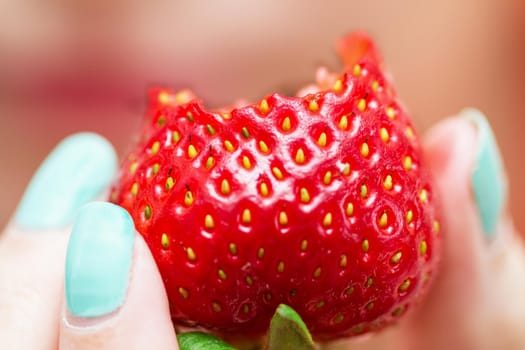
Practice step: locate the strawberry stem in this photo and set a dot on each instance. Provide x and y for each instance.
(201, 341)
(288, 331)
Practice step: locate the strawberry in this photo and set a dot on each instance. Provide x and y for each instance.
(320, 202)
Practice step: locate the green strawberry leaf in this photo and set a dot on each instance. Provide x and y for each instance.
(288, 331)
(201, 341)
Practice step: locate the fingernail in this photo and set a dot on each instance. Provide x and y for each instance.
(75, 172)
(98, 260)
(488, 179)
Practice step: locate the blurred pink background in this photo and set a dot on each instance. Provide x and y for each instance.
(69, 66)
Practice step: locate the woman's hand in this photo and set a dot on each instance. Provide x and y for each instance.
(37, 309)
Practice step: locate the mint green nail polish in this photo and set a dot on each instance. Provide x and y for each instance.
(488, 180)
(75, 172)
(98, 260)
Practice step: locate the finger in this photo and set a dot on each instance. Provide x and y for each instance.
(32, 248)
(470, 181)
(114, 296)
(30, 278)
(75, 172)
(451, 151)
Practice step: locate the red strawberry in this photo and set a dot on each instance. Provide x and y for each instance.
(319, 202)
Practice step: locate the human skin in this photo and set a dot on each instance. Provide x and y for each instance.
(475, 303)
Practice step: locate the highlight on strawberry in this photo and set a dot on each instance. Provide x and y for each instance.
(319, 201)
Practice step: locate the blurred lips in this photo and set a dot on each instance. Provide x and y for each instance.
(56, 87)
(93, 89)
(58, 80)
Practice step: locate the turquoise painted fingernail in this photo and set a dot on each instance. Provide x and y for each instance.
(98, 260)
(76, 172)
(488, 179)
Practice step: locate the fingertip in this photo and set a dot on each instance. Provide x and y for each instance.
(450, 145)
(98, 261)
(463, 155)
(450, 148)
(114, 295)
(77, 171)
(488, 177)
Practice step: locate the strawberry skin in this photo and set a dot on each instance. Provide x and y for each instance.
(320, 202)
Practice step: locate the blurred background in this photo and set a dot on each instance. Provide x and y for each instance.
(69, 66)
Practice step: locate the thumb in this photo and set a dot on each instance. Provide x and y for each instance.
(466, 306)
(114, 296)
